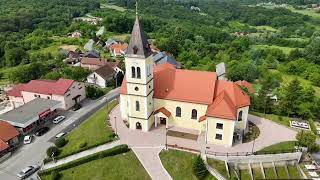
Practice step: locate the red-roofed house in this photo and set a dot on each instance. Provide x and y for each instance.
(8, 137)
(118, 49)
(195, 100)
(68, 92)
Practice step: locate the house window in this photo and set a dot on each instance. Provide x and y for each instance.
(68, 95)
(194, 114)
(137, 106)
(138, 72)
(219, 126)
(133, 72)
(219, 136)
(240, 116)
(48, 97)
(178, 112)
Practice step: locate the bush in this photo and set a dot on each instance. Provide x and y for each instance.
(307, 139)
(55, 175)
(53, 150)
(93, 92)
(61, 142)
(82, 144)
(110, 152)
(199, 168)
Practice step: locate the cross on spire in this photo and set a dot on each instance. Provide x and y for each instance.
(137, 7)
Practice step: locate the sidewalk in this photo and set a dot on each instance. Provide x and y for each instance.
(81, 154)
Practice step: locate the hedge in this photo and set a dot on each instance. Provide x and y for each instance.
(46, 160)
(110, 152)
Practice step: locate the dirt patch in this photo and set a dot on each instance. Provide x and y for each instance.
(69, 47)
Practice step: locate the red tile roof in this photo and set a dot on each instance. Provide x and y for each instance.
(202, 118)
(49, 87)
(223, 97)
(247, 85)
(118, 47)
(93, 61)
(164, 111)
(7, 131)
(3, 145)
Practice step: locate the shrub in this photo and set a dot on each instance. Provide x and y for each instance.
(53, 150)
(82, 144)
(307, 139)
(55, 175)
(61, 142)
(199, 168)
(110, 152)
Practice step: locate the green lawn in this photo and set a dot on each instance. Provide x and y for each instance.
(283, 120)
(269, 173)
(111, 6)
(257, 173)
(266, 28)
(287, 145)
(245, 174)
(93, 131)
(307, 12)
(123, 166)
(285, 50)
(179, 164)
(281, 172)
(293, 172)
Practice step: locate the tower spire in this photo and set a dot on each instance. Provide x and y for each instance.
(136, 7)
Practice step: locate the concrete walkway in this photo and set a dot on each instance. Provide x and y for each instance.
(146, 146)
(81, 154)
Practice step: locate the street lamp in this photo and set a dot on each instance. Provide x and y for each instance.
(115, 123)
(166, 139)
(254, 140)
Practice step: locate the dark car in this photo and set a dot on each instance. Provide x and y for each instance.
(24, 173)
(76, 107)
(42, 131)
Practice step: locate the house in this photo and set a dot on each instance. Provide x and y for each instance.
(105, 74)
(151, 96)
(66, 91)
(92, 63)
(110, 42)
(92, 54)
(8, 137)
(73, 58)
(75, 34)
(162, 58)
(33, 114)
(118, 49)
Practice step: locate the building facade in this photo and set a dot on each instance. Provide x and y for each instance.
(153, 95)
(66, 91)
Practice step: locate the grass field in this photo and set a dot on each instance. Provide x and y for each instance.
(179, 164)
(283, 120)
(305, 12)
(120, 167)
(269, 173)
(285, 50)
(281, 172)
(287, 145)
(245, 174)
(266, 28)
(293, 172)
(111, 6)
(93, 131)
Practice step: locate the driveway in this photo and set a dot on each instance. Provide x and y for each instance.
(35, 152)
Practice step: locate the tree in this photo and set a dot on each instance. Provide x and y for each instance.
(61, 142)
(199, 168)
(242, 70)
(55, 175)
(291, 98)
(52, 151)
(93, 92)
(307, 139)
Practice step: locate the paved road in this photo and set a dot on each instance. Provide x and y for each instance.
(35, 153)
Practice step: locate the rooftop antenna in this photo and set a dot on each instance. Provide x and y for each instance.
(137, 7)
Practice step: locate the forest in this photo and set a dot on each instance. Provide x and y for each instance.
(276, 49)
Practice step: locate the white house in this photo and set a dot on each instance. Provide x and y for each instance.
(105, 74)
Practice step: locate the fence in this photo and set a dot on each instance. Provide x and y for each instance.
(251, 153)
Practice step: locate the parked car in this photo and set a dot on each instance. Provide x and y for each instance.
(24, 173)
(76, 107)
(27, 139)
(42, 131)
(60, 135)
(58, 119)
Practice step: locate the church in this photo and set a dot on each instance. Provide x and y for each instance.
(161, 95)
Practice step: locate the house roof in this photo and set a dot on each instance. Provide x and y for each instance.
(7, 131)
(93, 61)
(3, 145)
(222, 97)
(105, 71)
(163, 110)
(119, 47)
(48, 87)
(92, 54)
(247, 85)
(29, 112)
(138, 46)
(162, 57)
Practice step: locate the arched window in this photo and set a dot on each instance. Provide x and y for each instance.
(240, 116)
(178, 112)
(194, 114)
(137, 106)
(138, 73)
(133, 72)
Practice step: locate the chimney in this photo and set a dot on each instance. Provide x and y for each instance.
(221, 71)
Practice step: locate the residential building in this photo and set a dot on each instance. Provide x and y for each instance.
(75, 34)
(8, 137)
(32, 114)
(73, 58)
(66, 91)
(162, 58)
(118, 49)
(110, 42)
(196, 100)
(105, 74)
(92, 54)
(92, 63)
